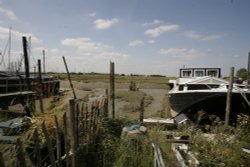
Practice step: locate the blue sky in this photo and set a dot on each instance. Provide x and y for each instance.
(140, 36)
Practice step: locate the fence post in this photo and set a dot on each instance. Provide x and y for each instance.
(71, 85)
(37, 152)
(66, 144)
(58, 142)
(49, 145)
(229, 96)
(142, 110)
(72, 133)
(40, 86)
(1, 160)
(106, 105)
(19, 154)
(112, 88)
(77, 113)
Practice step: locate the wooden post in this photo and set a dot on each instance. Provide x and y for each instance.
(2, 164)
(71, 85)
(106, 105)
(112, 88)
(40, 86)
(72, 134)
(77, 111)
(26, 63)
(37, 153)
(49, 145)
(58, 142)
(19, 154)
(229, 96)
(142, 110)
(31, 103)
(66, 143)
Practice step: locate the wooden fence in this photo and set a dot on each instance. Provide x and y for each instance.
(79, 128)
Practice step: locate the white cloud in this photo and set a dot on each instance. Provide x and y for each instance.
(154, 22)
(93, 50)
(136, 43)
(195, 35)
(15, 35)
(93, 14)
(8, 13)
(48, 52)
(85, 45)
(161, 29)
(91, 55)
(181, 53)
(104, 24)
(151, 41)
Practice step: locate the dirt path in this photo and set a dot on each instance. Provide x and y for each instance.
(159, 103)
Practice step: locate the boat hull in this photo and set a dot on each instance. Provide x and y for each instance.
(213, 103)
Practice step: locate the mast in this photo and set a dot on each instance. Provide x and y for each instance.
(9, 51)
(248, 69)
(44, 61)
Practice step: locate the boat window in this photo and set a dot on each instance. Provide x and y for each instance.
(214, 86)
(199, 73)
(198, 87)
(3, 81)
(181, 87)
(187, 73)
(212, 73)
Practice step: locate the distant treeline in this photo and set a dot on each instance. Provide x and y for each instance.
(95, 73)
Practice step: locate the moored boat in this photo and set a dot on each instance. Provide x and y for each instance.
(201, 91)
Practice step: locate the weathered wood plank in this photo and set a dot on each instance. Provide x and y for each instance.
(49, 145)
(37, 153)
(58, 142)
(20, 159)
(2, 164)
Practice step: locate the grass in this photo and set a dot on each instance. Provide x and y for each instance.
(221, 146)
(145, 82)
(223, 150)
(133, 99)
(136, 150)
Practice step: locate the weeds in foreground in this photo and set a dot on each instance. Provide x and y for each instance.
(134, 151)
(222, 145)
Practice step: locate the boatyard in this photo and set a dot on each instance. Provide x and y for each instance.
(104, 117)
(133, 83)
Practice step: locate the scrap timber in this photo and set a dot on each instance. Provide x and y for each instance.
(13, 98)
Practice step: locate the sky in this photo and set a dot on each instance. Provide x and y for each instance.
(139, 36)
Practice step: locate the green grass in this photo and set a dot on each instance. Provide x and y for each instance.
(222, 147)
(133, 98)
(143, 81)
(137, 150)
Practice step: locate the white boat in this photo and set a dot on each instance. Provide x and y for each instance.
(201, 91)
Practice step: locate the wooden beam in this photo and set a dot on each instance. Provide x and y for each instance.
(71, 85)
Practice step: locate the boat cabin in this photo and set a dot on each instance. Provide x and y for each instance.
(200, 72)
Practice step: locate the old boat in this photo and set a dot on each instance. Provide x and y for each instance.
(16, 82)
(202, 91)
(13, 85)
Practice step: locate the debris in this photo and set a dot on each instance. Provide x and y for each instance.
(181, 119)
(246, 149)
(134, 130)
(15, 126)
